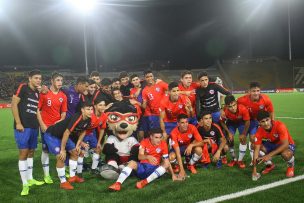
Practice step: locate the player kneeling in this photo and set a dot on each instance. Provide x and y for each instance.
(58, 138)
(149, 168)
(272, 138)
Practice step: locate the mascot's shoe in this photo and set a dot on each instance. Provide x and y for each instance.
(192, 169)
(241, 164)
(141, 184)
(48, 179)
(115, 187)
(25, 190)
(76, 179)
(66, 186)
(268, 169)
(290, 172)
(34, 182)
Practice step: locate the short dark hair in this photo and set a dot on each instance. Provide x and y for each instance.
(101, 98)
(202, 114)
(82, 80)
(133, 76)
(106, 82)
(34, 72)
(262, 114)
(229, 99)
(123, 74)
(56, 75)
(181, 116)
(146, 72)
(91, 82)
(172, 85)
(115, 80)
(115, 89)
(187, 72)
(86, 104)
(155, 131)
(94, 74)
(254, 84)
(202, 74)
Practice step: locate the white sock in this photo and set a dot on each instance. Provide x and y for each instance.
(61, 174)
(290, 163)
(124, 174)
(261, 153)
(242, 151)
(194, 159)
(157, 173)
(79, 165)
(232, 153)
(73, 167)
(22, 165)
(95, 160)
(268, 163)
(250, 150)
(30, 168)
(45, 160)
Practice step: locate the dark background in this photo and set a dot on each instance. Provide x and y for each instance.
(191, 33)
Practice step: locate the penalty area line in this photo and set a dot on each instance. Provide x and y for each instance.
(253, 190)
(286, 117)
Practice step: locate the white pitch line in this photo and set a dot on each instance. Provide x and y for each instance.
(253, 190)
(290, 118)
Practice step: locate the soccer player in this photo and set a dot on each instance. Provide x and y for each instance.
(188, 88)
(52, 108)
(185, 140)
(92, 88)
(126, 86)
(115, 83)
(105, 90)
(95, 75)
(207, 97)
(150, 167)
(172, 106)
(152, 94)
(212, 135)
(272, 138)
(255, 101)
(59, 138)
(236, 117)
(26, 127)
(74, 95)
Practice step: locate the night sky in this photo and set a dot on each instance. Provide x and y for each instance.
(192, 33)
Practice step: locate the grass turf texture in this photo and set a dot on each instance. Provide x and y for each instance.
(208, 183)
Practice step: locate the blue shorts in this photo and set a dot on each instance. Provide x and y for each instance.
(216, 117)
(272, 146)
(254, 124)
(232, 126)
(54, 144)
(91, 139)
(28, 139)
(182, 150)
(170, 126)
(149, 122)
(145, 169)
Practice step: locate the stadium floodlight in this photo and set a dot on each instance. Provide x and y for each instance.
(83, 6)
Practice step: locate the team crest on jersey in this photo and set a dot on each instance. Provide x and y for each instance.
(276, 135)
(212, 133)
(211, 91)
(157, 89)
(61, 100)
(261, 106)
(158, 150)
(57, 149)
(190, 135)
(180, 106)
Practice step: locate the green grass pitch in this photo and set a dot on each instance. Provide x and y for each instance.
(208, 183)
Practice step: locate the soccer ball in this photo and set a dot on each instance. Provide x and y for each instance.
(109, 172)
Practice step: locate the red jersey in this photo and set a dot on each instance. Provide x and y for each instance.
(157, 151)
(242, 114)
(97, 122)
(192, 97)
(51, 106)
(278, 133)
(153, 95)
(180, 139)
(173, 109)
(264, 103)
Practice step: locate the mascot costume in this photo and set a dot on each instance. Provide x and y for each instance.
(121, 146)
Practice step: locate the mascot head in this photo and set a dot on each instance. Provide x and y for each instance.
(122, 119)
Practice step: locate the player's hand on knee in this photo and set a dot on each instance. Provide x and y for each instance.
(62, 155)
